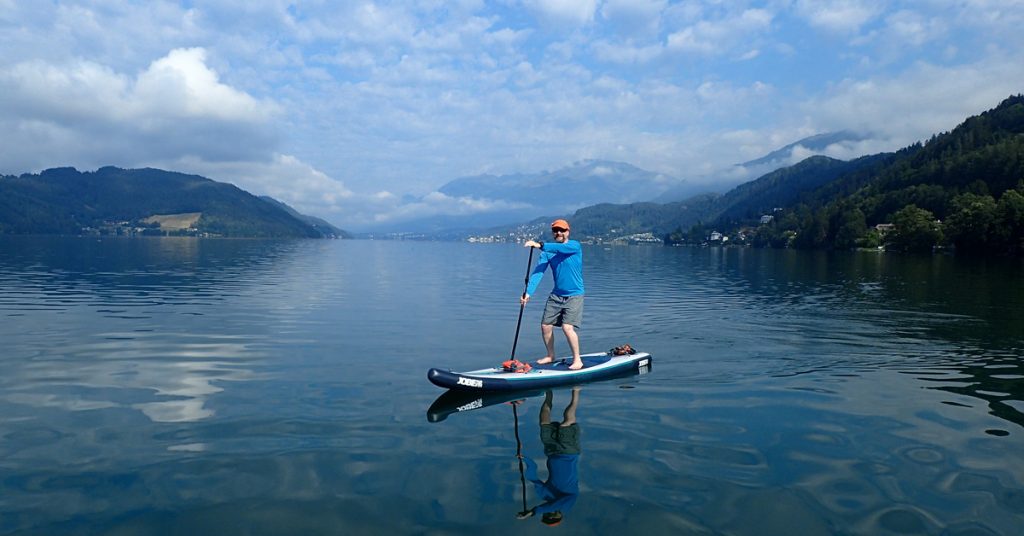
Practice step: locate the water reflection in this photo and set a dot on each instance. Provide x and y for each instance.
(553, 497)
(561, 440)
(147, 324)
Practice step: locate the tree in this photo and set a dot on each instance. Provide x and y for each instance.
(852, 227)
(1009, 231)
(871, 239)
(971, 222)
(916, 230)
(813, 229)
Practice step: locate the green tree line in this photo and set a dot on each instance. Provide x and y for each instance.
(962, 189)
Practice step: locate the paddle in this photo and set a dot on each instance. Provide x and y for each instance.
(526, 283)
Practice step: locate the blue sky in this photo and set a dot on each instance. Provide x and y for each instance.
(358, 111)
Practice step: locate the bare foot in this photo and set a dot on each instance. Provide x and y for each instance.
(545, 360)
(576, 365)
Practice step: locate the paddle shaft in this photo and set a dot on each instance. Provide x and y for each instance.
(526, 284)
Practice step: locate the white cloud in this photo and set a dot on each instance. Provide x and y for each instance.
(181, 85)
(557, 12)
(385, 208)
(85, 114)
(719, 36)
(912, 28)
(911, 106)
(284, 178)
(634, 17)
(843, 16)
(626, 53)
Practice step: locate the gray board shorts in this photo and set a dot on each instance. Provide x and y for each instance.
(563, 310)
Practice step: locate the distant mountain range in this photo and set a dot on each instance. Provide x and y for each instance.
(780, 188)
(569, 188)
(529, 195)
(526, 196)
(818, 202)
(971, 178)
(151, 201)
(145, 201)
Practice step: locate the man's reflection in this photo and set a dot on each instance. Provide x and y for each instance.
(562, 446)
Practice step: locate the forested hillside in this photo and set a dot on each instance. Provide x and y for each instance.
(115, 201)
(964, 188)
(780, 188)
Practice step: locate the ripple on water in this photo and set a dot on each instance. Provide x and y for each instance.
(902, 520)
(923, 454)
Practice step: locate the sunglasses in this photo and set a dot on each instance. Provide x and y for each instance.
(559, 230)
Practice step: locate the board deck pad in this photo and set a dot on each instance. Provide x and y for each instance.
(563, 363)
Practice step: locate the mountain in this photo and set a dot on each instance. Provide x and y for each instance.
(966, 185)
(580, 184)
(962, 189)
(326, 229)
(147, 201)
(815, 144)
(788, 186)
(780, 158)
(523, 196)
(984, 154)
(750, 200)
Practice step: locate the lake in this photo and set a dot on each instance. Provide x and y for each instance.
(185, 386)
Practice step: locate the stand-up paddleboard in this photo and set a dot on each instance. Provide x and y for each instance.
(595, 367)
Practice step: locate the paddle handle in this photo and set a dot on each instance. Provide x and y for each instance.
(526, 285)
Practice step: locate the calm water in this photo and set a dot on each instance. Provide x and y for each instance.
(180, 386)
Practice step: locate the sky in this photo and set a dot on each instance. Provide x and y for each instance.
(357, 112)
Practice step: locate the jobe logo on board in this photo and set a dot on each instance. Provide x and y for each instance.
(471, 383)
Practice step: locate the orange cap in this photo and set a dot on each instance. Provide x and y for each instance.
(560, 223)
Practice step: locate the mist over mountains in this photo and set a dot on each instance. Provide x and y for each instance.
(507, 199)
(827, 143)
(515, 198)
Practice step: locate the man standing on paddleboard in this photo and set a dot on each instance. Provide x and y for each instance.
(564, 307)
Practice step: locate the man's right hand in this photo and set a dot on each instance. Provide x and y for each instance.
(523, 299)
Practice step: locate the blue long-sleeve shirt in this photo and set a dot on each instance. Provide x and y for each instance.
(566, 263)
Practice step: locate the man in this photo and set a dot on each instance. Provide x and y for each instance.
(564, 307)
